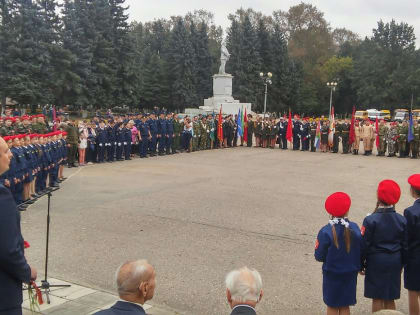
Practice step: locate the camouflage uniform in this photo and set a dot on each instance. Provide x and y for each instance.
(176, 144)
(204, 131)
(402, 140)
(383, 131)
(196, 135)
(7, 131)
(391, 138)
(414, 145)
(22, 129)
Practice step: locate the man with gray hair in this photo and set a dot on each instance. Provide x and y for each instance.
(136, 285)
(243, 290)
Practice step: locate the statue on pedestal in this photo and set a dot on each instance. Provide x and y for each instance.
(223, 58)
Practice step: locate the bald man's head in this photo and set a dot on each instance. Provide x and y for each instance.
(136, 280)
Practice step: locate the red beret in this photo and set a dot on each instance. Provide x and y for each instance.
(6, 138)
(41, 135)
(338, 204)
(389, 192)
(414, 181)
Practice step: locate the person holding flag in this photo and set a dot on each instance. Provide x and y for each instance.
(317, 137)
(289, 132)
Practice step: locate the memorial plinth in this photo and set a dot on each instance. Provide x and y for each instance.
(222, 97)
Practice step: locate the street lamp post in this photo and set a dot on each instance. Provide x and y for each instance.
(267, 80)
(332, 85)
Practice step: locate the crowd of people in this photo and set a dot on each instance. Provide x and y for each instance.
(31, 163)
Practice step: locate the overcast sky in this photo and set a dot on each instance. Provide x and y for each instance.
(360, 16)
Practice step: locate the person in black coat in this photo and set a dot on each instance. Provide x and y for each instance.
(385, 248)
(412, 268)
(243, 291)
(136, 284)
(13, 266)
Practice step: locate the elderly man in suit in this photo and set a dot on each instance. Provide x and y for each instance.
(136, 285)
(243, 290)
(13, 266)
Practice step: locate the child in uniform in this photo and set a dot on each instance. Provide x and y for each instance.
(384, 248)
(338, 246)
(412, 268)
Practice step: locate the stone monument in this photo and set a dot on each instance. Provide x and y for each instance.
(222, 90)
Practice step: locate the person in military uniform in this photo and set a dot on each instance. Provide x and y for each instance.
(161, 133)
(283, 133)
(250, 130)
(178, 127)
(357, 134)
(324, 136)
(391, 138)
(383, 131)
(258, 132)
(204, 131)
(296, 133)
(72, 141)
(305, 134)
(345, 134)
(312, 128)
(145, 136)
(196, 134)
(336, 137)
(265, 132)
(414, 144)
(40, 127)
(402, 139)
(367, 136)
(7, 129)
(212, 132)
(24, 127)
(153, 127)
(169, 134)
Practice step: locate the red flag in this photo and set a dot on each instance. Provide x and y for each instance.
(289, 133)
(352, 131)
(219, 127)
(245, 127)
(377, 132)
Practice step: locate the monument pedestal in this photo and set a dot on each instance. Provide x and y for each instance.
(222, 97)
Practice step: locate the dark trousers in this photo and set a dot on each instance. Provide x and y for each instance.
(71, 153)
(313, 148)
(249, 140)
(143, 145)
(186, 138)
(119, 151)
(152, 144)
(17, 193)
(305, 144)
(162, 143)
(296, 142)
(110, 152)
(101, 152)
(127, 150)
(14, 311)
(169, 144)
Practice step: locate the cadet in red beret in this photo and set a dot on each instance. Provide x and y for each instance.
(412, 268)
(338, 246)
(385, 248)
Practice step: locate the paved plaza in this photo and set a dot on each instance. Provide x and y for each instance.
(197, 216)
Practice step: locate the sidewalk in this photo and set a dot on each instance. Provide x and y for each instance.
(79, 300)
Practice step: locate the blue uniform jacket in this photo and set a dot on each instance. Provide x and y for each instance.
(13, 266)
(170, 127)
(144, 129)
(152, 126)
(127, 136)
(101, 136)
(412, 215)
(161, 124)
(338, 260)
(385, 231)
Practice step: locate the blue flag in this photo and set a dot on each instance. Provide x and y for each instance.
(411, 128)
(239, 123)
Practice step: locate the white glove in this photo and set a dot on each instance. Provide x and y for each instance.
(119, 144)
(100, 144)
(125, 143)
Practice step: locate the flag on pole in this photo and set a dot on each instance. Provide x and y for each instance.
(242, 121)
(289, 133)
(377, 131)
(239, 123)
(410, 128)
(245, 127)
(54, 118)
(318, 135)
(352, 136)
(332, 129)
(219, 126)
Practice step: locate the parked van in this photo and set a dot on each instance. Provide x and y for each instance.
(386, 115)
(361, 115)
(400, 115)
(373, 114)
(416, 114)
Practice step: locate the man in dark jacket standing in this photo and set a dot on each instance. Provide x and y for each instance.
(72, 141)
(13, 266)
